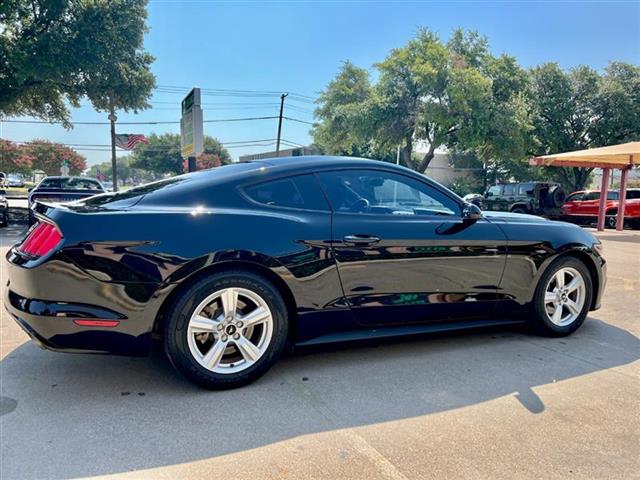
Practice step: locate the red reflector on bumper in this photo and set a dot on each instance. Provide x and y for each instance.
(96, 323)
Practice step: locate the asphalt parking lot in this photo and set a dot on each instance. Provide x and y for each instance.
(491, 404)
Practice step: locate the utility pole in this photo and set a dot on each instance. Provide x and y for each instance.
(112, 119)
(282, 97)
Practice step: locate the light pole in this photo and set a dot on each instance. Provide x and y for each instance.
(114, 175)
(282, 97)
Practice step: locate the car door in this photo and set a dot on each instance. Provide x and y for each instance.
(508, 196)
(491, 197)
(572, 204)
(589, 204)
(404, 252)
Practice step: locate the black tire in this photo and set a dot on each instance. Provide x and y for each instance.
(556, 197)
(611, 219)
(540, 320)
(179, 313)
(518, 210)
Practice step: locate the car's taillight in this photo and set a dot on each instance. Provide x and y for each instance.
(41, 240)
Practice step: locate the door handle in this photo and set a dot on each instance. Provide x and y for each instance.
(359, 239)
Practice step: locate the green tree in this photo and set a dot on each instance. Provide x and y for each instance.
(124, 170)
(162, 154)
(581, 108)
(441, 95)
(49, 157)
(55, 51)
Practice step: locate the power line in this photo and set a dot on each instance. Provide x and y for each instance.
(298, 120)
(170, 122)
(223, 91)
(96, 147)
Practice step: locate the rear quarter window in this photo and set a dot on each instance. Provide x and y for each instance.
(301, 192)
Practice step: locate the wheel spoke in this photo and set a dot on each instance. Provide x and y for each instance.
(549, 297)
(574, 284)
(573, 307)
(213, 356)
(201, 323)
(248, 350)
(557, 315)
(255, 317)
(229, 300)
(560, 279)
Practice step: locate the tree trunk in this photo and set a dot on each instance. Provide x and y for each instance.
(405, 153)
(582, 175)
(427, 159)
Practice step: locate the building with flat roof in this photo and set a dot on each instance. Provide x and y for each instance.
(289, 152)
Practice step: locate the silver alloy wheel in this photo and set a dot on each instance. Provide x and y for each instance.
(230, 330)
(564, 296)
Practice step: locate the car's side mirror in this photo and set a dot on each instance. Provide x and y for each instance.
(487, 194)
(29, 189)
(3, 192)
(471, 212)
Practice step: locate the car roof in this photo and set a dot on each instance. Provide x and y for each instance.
(305, 162)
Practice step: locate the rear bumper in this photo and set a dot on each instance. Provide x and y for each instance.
(49, 301)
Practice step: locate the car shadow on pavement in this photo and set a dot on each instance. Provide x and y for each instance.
(81, 415)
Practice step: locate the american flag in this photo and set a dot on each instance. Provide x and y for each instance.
(127, 141)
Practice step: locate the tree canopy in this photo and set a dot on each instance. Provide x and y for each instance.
(457, 96)
(581, 108)
(161, 154)
(39, 155)
(438, 94)
(54, 51)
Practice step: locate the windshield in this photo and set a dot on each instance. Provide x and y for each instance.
(71, 183)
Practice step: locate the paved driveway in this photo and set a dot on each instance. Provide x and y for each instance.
(495, 404)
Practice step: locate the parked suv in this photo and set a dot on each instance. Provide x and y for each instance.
(536, 198)
(582, 207)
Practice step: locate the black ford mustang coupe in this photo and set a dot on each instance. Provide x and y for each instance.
(228, 265)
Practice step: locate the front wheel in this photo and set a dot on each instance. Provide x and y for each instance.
(562, 298)
(226, 330)
(611, 219)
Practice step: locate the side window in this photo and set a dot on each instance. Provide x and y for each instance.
(525, 189)
(494, 190)
(592, 196)
(613, 195)
(510, 189)
(632, 194)
(575, 197)
(387, 193)
(294, 192)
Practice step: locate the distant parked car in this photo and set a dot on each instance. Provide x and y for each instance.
(62, 189)
(582, 207)
(4, 209)
(3, 179)
(14, 180)
(108, 186)
(536, 198)
(475, 198)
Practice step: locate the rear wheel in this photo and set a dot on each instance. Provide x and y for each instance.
(519, 210)
(562, 298)
(226, 330)
(611, 219)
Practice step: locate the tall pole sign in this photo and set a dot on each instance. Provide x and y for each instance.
(191, 128)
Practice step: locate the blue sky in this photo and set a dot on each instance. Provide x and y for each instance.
(298, 47)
